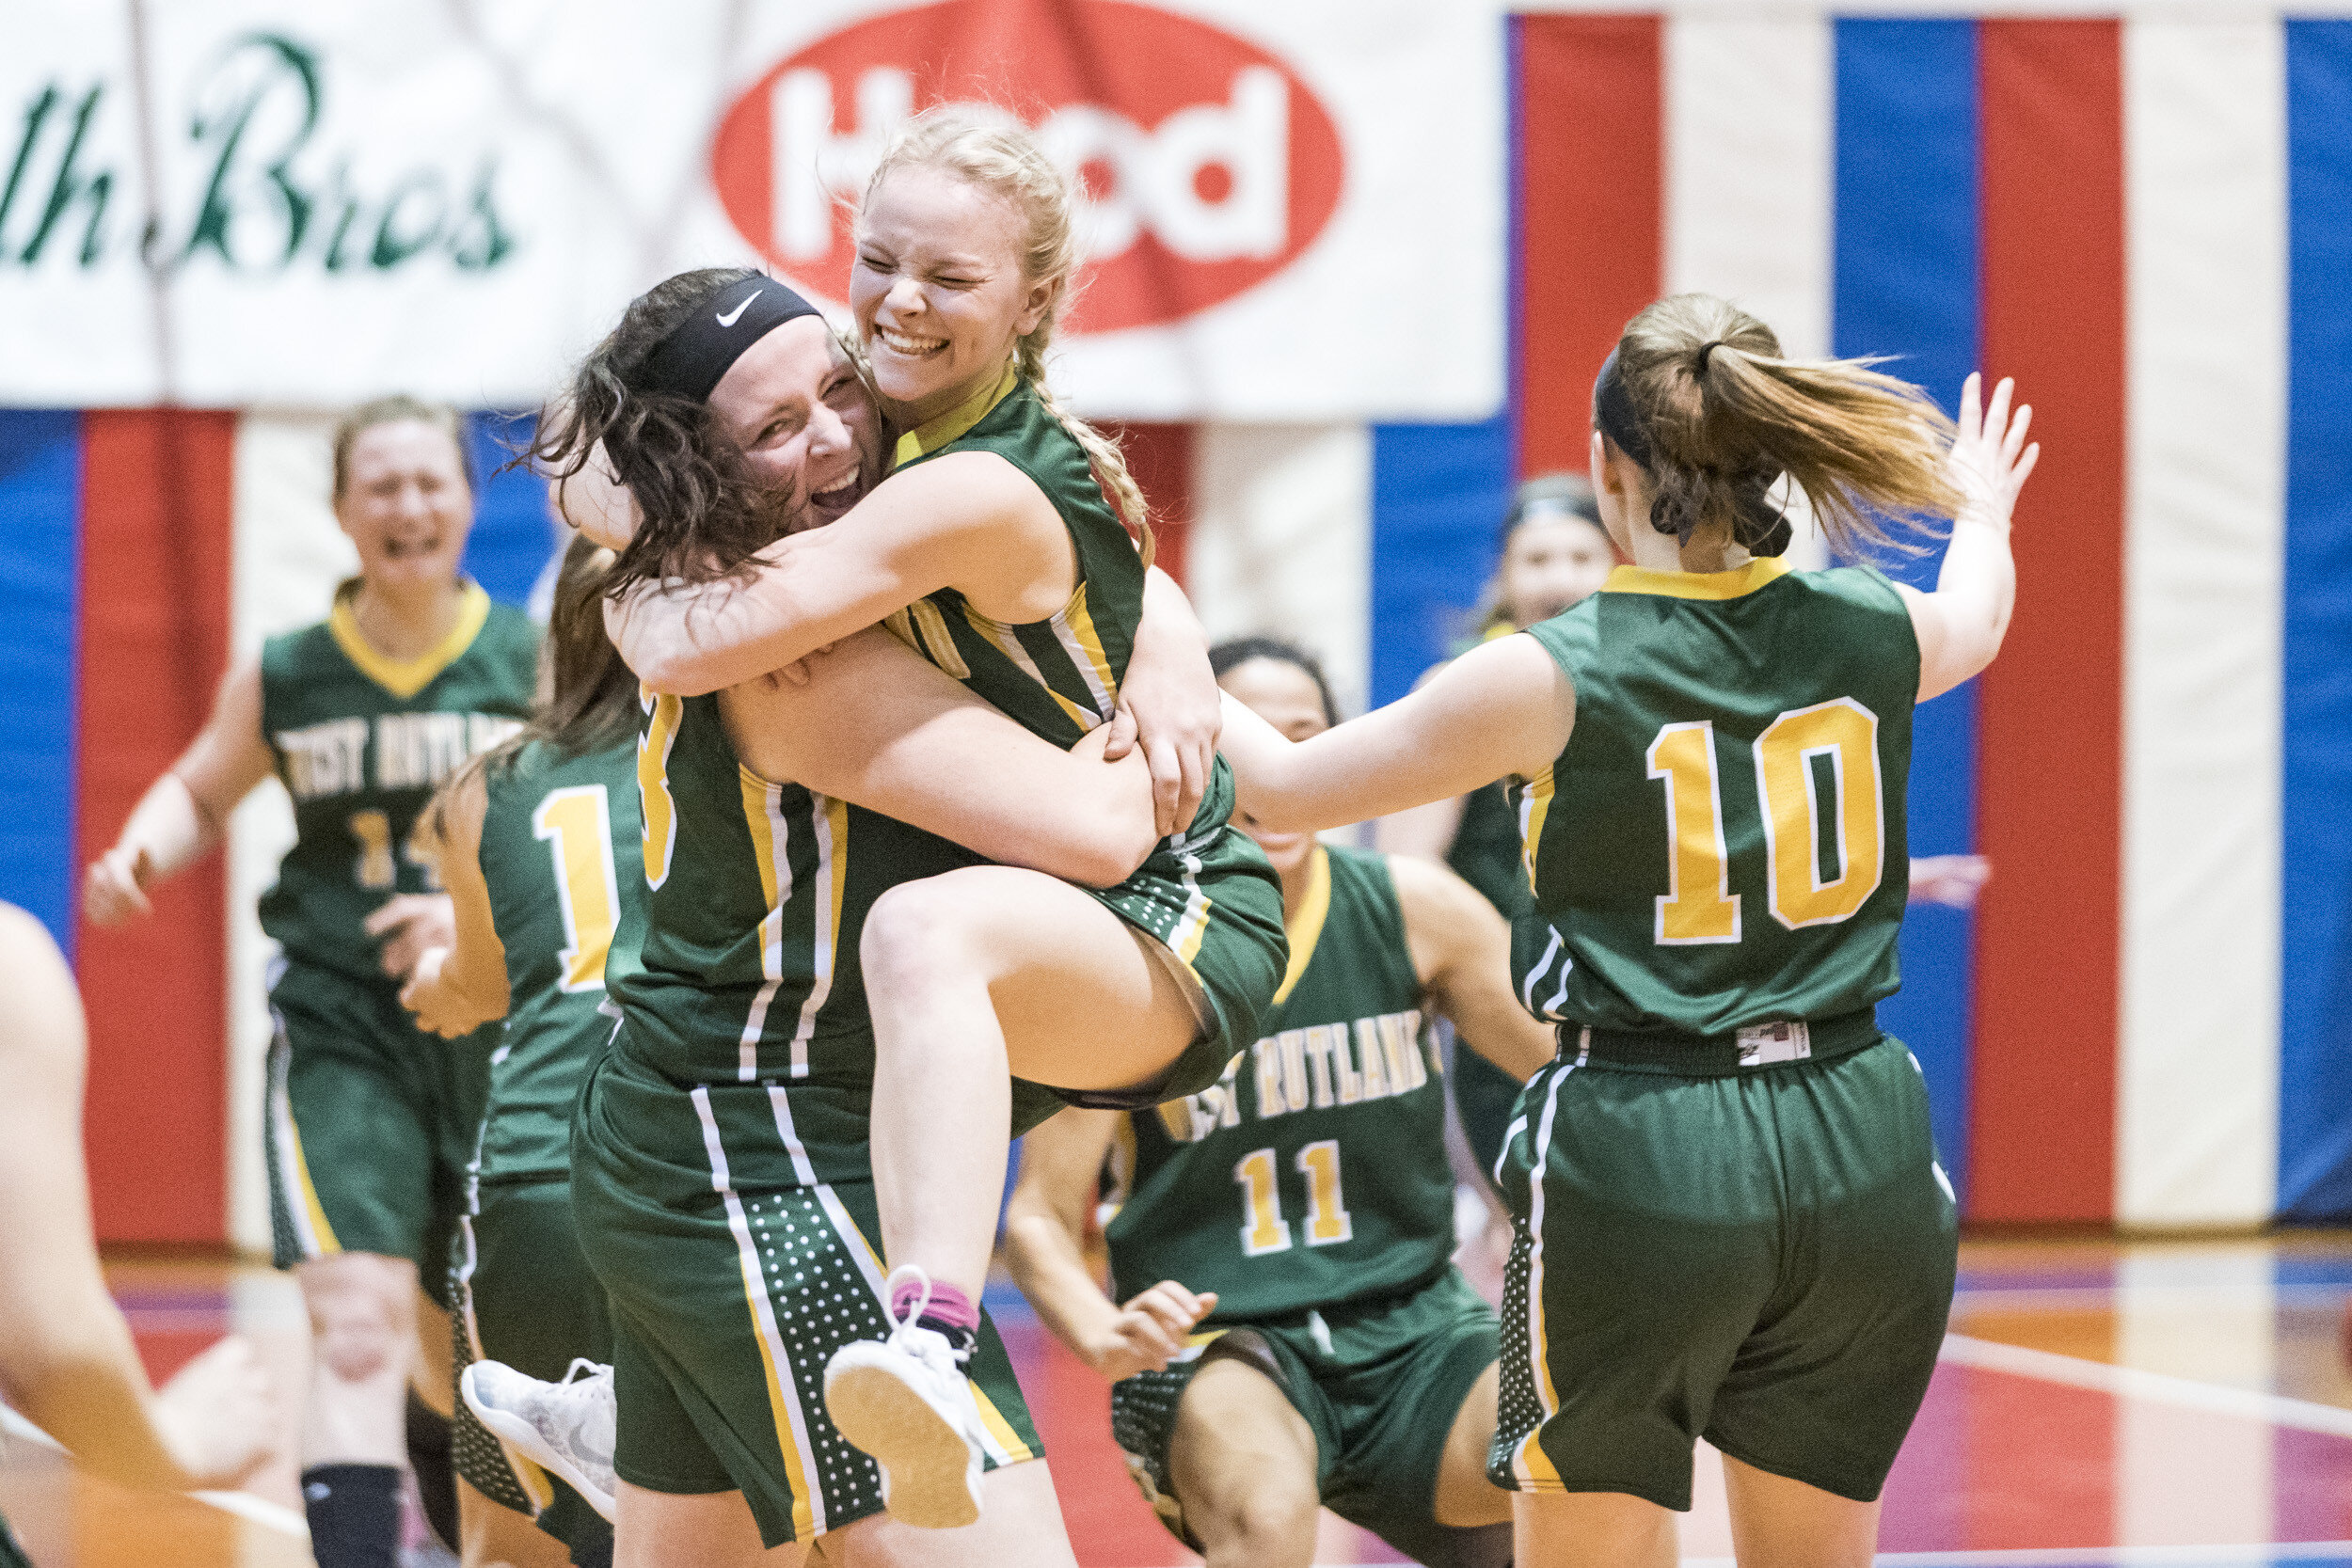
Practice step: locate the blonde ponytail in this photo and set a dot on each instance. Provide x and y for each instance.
(1005, 159)
(1725, 414)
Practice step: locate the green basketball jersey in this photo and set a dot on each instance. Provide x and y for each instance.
(1059, 677)
(562, 851)
(1314, 1173)
(360, 741)
(756, 894)
(1721, 844)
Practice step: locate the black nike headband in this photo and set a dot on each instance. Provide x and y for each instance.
(697, 353)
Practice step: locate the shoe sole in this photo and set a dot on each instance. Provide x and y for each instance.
(924, 1458)
(521, 1440)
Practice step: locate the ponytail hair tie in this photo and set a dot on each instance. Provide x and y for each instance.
(1705, 349)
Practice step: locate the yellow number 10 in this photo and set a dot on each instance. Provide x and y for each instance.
(576, 823)
(1699, 905)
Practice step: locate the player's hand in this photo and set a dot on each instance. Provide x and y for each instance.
(1176, 721)
(1989, 460)
(1952, 880)
(113, 890)
(218, 1416)
(408, 924)
(796, 673)
(595, 502)
(1150, 1331)
(439, 1008)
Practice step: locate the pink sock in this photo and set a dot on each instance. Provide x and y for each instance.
(949, 1308)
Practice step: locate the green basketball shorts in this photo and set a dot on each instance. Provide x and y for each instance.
(1763, 1257)
(522, 1293)
(734, 1229)
(363, 1139)
(1215, 904)
(1379, 1382)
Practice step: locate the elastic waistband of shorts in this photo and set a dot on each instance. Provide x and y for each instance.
(1786, 1042)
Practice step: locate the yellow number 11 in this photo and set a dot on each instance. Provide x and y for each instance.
(576, 823)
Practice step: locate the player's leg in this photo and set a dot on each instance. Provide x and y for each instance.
(712, 1529)
(1591, 1529)
(1465, 1497)
(976, 977)
(354, 1444)
(1242, 1467)
(490, 1534)
(1020, 1527)
(1779, 1523)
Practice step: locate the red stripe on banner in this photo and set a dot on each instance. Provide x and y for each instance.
(1159, 456)
(1591, 207)
(155, 638)
(2050, 720)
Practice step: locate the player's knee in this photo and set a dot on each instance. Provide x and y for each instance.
(362, 1316)
(1272, 1519)
(916, 934)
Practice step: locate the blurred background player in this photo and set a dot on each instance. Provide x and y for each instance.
(66, 1358)
(1344, 1362)
(370, 1122)
(1552, 553)
(541, 847)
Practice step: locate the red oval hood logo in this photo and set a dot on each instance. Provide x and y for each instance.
(1208, 163)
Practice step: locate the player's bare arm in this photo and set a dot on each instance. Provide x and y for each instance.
(1462, 952)
(1961, 624)
(456, 988)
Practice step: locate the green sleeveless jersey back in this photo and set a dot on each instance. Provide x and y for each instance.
(756, 894)
(1314, 1173)
(360, 741)
(562, 854)
(1721, 844)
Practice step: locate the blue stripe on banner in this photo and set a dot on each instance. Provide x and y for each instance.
(1438, 492)
(1907, 284)
(2316, 957)
(513, 536)
(41, 503)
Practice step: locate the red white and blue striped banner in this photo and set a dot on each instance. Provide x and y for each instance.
(2146, 220)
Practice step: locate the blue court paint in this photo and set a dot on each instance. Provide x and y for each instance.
(41, 498)
(1438, 491)
(513, 535)
(2315, 945)
(1907, 251)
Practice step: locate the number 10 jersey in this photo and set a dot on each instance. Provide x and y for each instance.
(1313, 1173)
(1721, 844)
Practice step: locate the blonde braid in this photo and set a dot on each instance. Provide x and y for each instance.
(1006, 160)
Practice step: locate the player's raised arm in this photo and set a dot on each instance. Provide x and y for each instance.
(1961, 624)
(455, 990)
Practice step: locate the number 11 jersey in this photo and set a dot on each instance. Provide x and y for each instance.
(1313, 1173)
(1721, 844)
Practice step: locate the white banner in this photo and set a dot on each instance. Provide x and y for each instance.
(1297, 210)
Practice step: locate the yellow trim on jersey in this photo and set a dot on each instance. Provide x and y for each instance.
(404, 678)
(922, 627)
(1000, 1428)
(328, 1245)
(1078, 622)
(1535, 805)
(935, 433)
(1698, 585)
(1307, 930)
(1006, 638)
(759, 817)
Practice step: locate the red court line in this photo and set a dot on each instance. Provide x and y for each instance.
(2050, 720)
(154, 638)
(1591, 215)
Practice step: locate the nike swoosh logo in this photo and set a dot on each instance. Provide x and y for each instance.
(737, 315)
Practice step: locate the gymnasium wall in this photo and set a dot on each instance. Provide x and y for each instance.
(2147, 1022)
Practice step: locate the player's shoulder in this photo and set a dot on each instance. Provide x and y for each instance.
(508, 630)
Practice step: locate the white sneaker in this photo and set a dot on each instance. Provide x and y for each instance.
(564, 1428)
(905, 1400)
